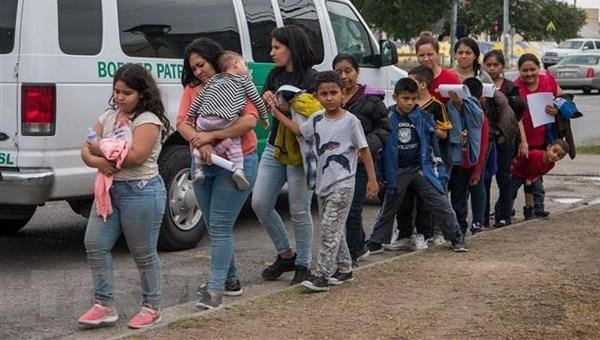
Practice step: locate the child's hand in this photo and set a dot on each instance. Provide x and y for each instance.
(201, 138)
(372, 188)
(523, 149)
(551, 110)
(381, 183)
(265, 123)
(107, 167)
(528, 182)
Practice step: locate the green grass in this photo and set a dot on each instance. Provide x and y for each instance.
(590, 149)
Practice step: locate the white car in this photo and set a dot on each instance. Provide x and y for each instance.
(569, 47)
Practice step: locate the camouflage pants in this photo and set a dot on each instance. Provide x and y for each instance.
(333, 249)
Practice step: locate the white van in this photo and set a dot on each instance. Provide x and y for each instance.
(58, 57)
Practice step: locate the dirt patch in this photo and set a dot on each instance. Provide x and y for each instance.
(537, 280)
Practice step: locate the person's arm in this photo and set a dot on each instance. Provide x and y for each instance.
(144, 136)
(185, 130)
(239, 128)
(523, 146)
(372, 185)
(286, 121)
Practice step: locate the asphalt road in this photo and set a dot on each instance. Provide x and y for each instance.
(45, 282)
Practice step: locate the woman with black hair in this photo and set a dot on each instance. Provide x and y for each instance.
(467, 54)
(281, 161)
(366, 103)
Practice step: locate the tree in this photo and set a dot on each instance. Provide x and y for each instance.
(403, 19)
(529, 17)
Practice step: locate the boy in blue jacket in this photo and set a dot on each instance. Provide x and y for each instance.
(411, 159)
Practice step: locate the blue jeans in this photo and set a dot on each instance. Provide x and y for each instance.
(137, 213)
(272, 175)
(221, 202)
(459, 194)
(503, 206)
(355, 232)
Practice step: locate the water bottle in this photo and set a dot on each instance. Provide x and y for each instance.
(91, 134)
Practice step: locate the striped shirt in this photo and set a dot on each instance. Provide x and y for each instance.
(225, 95)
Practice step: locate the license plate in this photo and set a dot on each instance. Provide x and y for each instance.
(567, 74)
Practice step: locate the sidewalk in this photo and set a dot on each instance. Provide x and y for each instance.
(536, 279)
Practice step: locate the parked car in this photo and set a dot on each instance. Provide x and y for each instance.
(580, 72)
(569, 47)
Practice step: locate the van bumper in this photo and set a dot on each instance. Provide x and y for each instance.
(25, 186)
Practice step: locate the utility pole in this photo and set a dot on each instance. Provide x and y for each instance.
(453, 23)
(506, 32)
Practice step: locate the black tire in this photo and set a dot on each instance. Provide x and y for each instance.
(12, 225)
(587, 90)
(182, 226)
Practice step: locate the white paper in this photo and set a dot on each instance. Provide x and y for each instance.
(461, 90)
(488, 90)
(221, 162)
(537, 103)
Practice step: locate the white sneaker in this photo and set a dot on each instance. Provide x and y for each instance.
(438, 239)
(401, 244)
(418, 242)
(240, 179)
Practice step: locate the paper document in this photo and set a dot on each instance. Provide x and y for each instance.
(488, 90)
(537, 103)
(461, 90)
(221, 162)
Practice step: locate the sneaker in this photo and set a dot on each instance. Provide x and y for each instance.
(340, 278)
(280, 266)
(438, 239)
(240, 179)
(477, 227)
(401, 244)
(198, 176)
(146, 317)
(316, 283)
(528, 213)
(355, 263)
(418, 242)
(541, 213)
(207, 301)
(231, 289)
(459, 245)
(501, 223)
(99, 315)
(364, 253)
(370, 249)
(300, 275)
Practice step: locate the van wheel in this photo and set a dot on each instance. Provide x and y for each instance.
(182, 226)
(12, 224)
(587, 90)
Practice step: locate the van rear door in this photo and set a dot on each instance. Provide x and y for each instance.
(9, 61)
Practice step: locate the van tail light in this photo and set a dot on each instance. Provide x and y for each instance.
(590, 73)
(38, 109)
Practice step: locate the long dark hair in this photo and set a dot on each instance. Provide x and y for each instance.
(208, 49)
(136, 77)
(303, 55)
(347, 57)
(472, 44)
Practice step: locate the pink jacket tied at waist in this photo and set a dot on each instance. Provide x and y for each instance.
(113, 150)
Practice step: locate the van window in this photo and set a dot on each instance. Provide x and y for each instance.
(162, 29)
(597, 45)
(304, 14)
(8, 14)
(261, 21)
(589, 45)
(80, 26)
(351, 36)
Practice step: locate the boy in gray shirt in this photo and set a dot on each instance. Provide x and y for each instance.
(339, 143)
